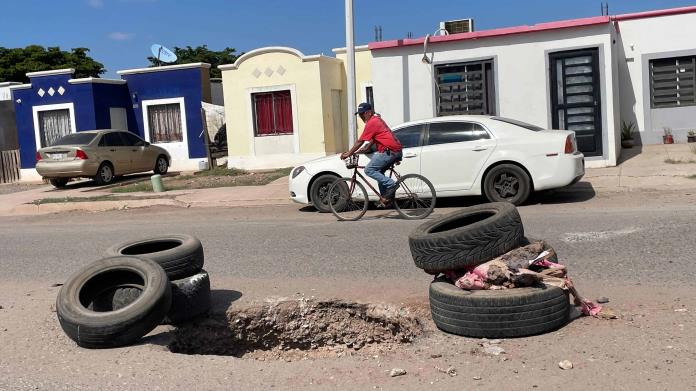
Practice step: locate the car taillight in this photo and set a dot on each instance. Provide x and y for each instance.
(80, 154)
(38, 156)
(569, 145)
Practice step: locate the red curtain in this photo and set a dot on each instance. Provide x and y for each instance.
(264, 113)
(273, 113)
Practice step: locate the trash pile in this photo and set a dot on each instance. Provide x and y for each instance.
(140, 284)
(491, 281)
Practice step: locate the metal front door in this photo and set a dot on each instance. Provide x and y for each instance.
(575, 97)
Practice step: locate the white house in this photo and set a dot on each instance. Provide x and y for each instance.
(585, 75)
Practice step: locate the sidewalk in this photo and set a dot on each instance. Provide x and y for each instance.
(640, 168)
(645, 168)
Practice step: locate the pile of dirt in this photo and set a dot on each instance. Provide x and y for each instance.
(295, 326)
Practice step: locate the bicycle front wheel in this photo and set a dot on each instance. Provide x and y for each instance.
(347, 199)
(415, 197)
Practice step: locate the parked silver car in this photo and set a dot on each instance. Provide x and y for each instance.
(101, 155)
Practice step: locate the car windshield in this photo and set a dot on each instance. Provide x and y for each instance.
(75, 139)
(518, 123)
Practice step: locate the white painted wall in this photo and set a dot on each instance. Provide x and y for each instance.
(642, 40)
(405, 88)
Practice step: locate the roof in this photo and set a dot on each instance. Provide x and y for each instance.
(549, 26)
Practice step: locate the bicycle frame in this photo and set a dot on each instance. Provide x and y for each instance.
(357, 173)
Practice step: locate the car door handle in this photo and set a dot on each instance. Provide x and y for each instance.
(134, 150)
(410, 155)
(112, 150)
(480, 148)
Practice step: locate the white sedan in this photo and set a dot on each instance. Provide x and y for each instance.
(501, 158)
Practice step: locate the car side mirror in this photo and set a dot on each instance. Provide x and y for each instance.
(146, 144)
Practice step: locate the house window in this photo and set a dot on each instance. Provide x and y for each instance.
(369, 97)
(465, 88)
(164, 122)
(672, 82)
(272, 113)
(53, 124)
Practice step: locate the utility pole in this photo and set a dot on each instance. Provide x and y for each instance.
(350, 77)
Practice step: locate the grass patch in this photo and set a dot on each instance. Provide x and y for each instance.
(218, 177)
(674, 161)
(133, 187)
(90, 199)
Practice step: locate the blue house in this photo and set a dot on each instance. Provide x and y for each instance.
(162, 105)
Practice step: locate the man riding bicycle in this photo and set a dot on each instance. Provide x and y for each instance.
(388, 149)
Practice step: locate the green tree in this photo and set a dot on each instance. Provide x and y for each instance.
(16, 62)
(202, 54)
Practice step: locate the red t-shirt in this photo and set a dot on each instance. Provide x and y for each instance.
(376, 129)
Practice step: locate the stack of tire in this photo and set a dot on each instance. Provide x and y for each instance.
(139, 285)
(467, 238)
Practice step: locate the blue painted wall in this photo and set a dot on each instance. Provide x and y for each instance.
(106, 96)
(78, 94)
(186, 83)
(93, 100)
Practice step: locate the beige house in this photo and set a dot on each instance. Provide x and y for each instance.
(284, 108)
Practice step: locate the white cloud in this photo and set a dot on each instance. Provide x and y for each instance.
(119, 36)
(96, 3)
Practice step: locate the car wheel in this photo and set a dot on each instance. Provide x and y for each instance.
(502, 313)
(161, 165)
(59, 182)
(507, 182)
(105, 174)
(319, 192)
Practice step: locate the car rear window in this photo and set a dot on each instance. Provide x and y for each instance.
(518, 123)
(75, 139)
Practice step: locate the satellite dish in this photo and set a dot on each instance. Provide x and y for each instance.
(162, 54)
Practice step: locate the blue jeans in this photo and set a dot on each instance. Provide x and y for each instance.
(379, 162)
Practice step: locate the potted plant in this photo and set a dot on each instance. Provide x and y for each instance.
(691, 136)
(667, 137)
(627, 134)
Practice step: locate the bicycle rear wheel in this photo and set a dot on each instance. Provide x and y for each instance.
(415, 197)
(347, 199)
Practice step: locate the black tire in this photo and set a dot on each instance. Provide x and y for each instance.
(468, 237)
(507, 182)
(112, 328)
(415, 197)
(503, 313)
(190, 298)
(59, 182)
(105, 174)
(180, 256)
(161, 165)
(319, 192)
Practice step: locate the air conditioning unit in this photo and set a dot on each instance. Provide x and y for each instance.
(458, 26)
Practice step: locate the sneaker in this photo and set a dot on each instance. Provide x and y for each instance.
(389, 193)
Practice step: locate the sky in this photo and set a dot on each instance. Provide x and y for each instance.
(119, 33)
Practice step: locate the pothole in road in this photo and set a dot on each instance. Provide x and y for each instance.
(299, 328)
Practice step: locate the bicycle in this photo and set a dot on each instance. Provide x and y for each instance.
(414, 197)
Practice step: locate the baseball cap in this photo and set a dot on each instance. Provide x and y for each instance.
(363, 107)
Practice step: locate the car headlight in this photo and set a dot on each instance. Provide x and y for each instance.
(297, 171)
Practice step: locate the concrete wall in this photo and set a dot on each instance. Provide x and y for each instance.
(309, 80)
(405, 89)
(642, 40)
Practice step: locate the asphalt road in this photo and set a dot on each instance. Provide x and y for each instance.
(630, 237)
